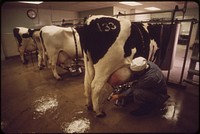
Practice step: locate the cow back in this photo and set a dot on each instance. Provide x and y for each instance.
(24, 38)
(139, 39)
(98, 36)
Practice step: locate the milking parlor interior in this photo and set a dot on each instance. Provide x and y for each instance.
(100, 66)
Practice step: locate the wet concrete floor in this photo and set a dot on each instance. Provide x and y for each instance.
(32, 101)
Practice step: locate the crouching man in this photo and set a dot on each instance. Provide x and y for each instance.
(149, 90)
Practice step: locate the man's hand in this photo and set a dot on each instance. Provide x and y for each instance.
(115, 97)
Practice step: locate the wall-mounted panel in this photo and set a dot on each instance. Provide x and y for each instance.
(102, 11)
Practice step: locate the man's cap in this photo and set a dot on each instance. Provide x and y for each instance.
(138, 64)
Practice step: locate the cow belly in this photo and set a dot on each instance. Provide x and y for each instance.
(120, 76)
(28, 44)
(30, 47)
(63, 58)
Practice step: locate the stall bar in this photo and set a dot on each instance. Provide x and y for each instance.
(155, 12)
(183, 10)
(193, 21)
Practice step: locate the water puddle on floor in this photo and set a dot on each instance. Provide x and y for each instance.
(3, 124)
(172, 112)
(43, 104)
(77, 125)
(48, 104)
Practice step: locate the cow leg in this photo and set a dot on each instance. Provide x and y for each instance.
(87, 87)
(40, 60)
(53, 66)
(96, 91)
(55, 74)
(46, 59)
(25, 60)
(22, 55)
(89, 74)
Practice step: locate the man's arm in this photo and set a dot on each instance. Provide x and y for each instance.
(126, 93)
(122, 95)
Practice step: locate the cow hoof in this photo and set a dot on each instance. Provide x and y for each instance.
(25, 62)
(89, 107)
(40, 68)
(59, 79)
(101, 115)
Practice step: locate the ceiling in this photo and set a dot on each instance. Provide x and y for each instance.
(83, 6)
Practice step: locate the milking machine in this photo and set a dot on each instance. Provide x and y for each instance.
(120, 89)
(74, 68)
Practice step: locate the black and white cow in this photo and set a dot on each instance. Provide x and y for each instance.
(25, 41)
(61, 45)
(110, 43)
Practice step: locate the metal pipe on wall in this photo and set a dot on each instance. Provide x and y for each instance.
(186, 52)
(155, 12)
(156, 21)
(172, 21)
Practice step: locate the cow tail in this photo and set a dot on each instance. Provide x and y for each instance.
(150, 52)
(43, 49)
(89, 72)
(17, 36)
(156, 56)
(76, 47)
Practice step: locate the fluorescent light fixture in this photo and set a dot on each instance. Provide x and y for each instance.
(152, 8)
(31, 2)
(130, 3)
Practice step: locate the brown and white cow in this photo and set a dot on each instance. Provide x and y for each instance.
(61, 45)
(110, 43)
(25, 42)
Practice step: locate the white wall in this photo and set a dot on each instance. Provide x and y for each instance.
(16, 16)
(101, 11)
(116, 10)
(60, 15)
(142, 17)
(9, 45)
